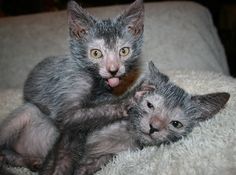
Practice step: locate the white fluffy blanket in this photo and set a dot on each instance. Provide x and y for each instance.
(179, 35)
(209, 150)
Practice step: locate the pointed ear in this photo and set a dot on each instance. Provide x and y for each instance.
(155, 75)
(79, 20)
(153, 69)
(150, 82)
(133, 17)
(210, 104)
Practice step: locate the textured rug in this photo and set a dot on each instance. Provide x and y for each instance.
(209, 150)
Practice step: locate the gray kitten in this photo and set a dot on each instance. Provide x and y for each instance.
(59, 89)
(159, 112)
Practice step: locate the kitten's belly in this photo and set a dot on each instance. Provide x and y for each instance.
(111, 139)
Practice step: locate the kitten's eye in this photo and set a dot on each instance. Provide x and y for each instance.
(124, 51)
(176, 124)
(96, 53)
(150, 105)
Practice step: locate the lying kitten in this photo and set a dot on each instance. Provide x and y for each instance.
(159, 113)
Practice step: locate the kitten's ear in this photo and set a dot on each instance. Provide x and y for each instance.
(155, 75)
(133, 17)
(151, 81)
(142, 90)
(79, 20)
(210, 104)
(153, 71)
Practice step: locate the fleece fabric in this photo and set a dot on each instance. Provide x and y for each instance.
(177, 36)
(209, 150)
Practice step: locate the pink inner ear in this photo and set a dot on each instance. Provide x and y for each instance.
(139, 94)
(78, 31)
(148, 87)
(81, 32)
(144, 89)
(77, 27)
(134, 16)
(135, 29)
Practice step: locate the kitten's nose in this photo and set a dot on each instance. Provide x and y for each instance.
(156, 124)
(113, 70)
(153, 129)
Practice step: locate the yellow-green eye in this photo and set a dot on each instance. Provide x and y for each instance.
(124, 51)
(96, 53)
(176, 124)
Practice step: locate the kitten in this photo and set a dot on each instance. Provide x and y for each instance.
(59, 89)
(159, 112)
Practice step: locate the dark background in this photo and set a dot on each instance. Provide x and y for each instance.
(223, 12)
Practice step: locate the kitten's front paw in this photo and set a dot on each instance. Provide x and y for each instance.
(125, 113)
(124, 108)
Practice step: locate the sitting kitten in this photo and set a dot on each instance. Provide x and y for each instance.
(61, 88)
(159, 113)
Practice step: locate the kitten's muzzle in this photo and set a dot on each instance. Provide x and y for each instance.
(114, 79)
(113, 67)
(113, 72)
(152, 129)
(156, 124)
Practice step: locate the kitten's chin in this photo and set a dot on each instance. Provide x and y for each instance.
(148, 140)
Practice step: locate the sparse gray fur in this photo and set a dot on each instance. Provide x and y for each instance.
(61, 88)
(159, 112)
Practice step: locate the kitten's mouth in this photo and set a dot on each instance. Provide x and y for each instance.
(113, 82)
(147, 135)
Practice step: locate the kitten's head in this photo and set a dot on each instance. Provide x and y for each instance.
(165, 113)
(108, 48)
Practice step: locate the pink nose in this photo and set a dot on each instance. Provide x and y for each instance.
(113, 69)
(156, 124)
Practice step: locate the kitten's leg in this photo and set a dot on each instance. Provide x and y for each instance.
(66, 155)
(26, 135)
(10, 131)
(60, 160)
(99, 115)
(16, 160)
(70, 147)
(12, 126)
